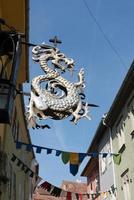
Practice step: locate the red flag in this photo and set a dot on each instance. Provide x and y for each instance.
(69, 196)
(80, 196)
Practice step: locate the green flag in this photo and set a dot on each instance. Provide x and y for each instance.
(65, 157)
(117, 158)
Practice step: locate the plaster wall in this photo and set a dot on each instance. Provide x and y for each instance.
(105, 164)
(124, 172)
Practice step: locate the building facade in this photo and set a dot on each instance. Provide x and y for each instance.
(106, 166)
(91, 171)
(121, 120)
(15, 181)
(115, 134)
(100, 171)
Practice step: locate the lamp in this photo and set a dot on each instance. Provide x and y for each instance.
(10, 45)
(6, 100)
(6, 43)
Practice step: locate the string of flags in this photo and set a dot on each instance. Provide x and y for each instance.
(73, 158)
(59, 192)
(56, 191)
(23, 166)
(27, 170)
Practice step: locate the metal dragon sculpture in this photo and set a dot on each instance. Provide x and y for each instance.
(48, 102)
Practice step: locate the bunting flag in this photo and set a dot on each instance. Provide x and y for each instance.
(56, 192)
(73, 158)
(117, 158)
(69, 196)
(75, 161)
(65, 157)
(59, 192)
(77, 196)
(23, 166)
(46, 186)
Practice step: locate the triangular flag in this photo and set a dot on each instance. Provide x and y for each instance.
(13, 158)
(32, 174)
(80, 196)
(65, 157)
(74, 158)
(77, 196)
(18, 145)
(38, 149)
(56, 192)
(46, 186)
(58, 153)
(88, 196)
(69, 196)
(104, 155)
(49, 151)
(117, 158)
(26, 170)
(23, 167)
(19, 162)
(82, 156)
(28, 147)
(94, 154)
(74, 169)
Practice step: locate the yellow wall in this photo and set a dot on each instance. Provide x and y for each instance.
(15, 13)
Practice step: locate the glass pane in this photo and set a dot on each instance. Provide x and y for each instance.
(3, 101)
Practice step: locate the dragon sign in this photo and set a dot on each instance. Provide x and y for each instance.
(60, 98)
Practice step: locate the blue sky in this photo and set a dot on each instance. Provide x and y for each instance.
(105, 69)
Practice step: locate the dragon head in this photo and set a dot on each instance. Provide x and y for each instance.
(58, 59)
(41, 51)
(62, 62)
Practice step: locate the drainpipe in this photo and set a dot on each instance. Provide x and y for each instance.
(111, 146)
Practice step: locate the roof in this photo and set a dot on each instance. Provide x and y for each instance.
(91, 166)
(75, 187)
(118, 103)
(124, 92)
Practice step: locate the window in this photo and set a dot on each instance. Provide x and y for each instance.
(97, 184)
(130, 122)
(132, 134)
(103, 166)
(125, 183)
(105, 160)
(121, 139)
(108, 150)
(120, 134)
(112, 193)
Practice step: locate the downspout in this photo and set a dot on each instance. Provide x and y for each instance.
(111, 147)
